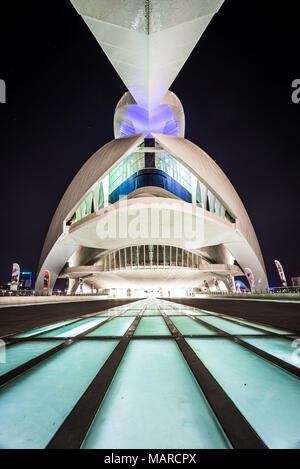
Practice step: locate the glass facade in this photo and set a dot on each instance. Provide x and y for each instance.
(157, 168)
(151, 256)
(155, 397)
(129, 166)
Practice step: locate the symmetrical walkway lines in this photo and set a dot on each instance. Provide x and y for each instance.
(75, 426)
(239, 432)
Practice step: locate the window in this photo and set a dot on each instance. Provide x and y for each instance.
(135, 162)
(101, 196)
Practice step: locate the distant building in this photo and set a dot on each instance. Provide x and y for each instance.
(25, 281)
(296, 281)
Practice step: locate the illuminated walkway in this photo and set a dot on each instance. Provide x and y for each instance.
(151, 374)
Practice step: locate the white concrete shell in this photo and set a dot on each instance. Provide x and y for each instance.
(239, 238)
(55, 254)
(147, 42)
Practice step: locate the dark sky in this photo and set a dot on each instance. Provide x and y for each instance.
(236, 92)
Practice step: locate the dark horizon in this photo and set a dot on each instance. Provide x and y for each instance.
(235, 89)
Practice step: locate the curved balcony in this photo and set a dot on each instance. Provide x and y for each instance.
(150, 257)
(150, 165)
(150, 177)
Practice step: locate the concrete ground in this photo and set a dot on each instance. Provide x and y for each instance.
(281, 313)
(14, 319)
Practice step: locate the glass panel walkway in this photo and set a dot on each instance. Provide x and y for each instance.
(152, 374)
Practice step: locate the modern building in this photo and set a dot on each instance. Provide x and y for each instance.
(25, 280)
(296, 281)
(150, 210)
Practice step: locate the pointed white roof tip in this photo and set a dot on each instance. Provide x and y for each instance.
(147, 41)
(146, 16)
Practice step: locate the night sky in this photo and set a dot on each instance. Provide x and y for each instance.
(235, 89)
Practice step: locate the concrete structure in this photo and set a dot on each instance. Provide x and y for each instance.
(296, 281)
(150, 210)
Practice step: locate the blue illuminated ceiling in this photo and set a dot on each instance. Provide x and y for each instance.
(160, 120)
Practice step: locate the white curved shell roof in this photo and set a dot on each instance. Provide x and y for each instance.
(90, 172)
(147, 42)
(245, 248)
(211, 174)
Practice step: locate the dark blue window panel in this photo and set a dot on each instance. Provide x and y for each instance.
(150, 177)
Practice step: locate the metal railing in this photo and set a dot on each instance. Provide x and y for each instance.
(270, 292)
(17, 293)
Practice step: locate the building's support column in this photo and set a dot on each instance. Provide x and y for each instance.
(74, 286)
(70, 286)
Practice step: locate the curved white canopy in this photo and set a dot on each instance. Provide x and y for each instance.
(147, 41)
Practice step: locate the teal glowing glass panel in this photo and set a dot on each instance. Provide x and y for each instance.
(101, 196)
(152, 312)
(163, 161)
(130, 165)
(173, 312)
(167, 163)
(198, 195)
(83, 209)
(188, 326)
(73, 330)
(183, 312)
(154, 402)
(277, 346)
(18, 354)
(115, 327)
(196, 315)
(265, 394)
(195, 312)
(89, 203)
(265, 328)
(33, 332)
(152, 326)
(131, 312)
(78, 214)
(231, 327)
(109, 313)
(34, 405)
